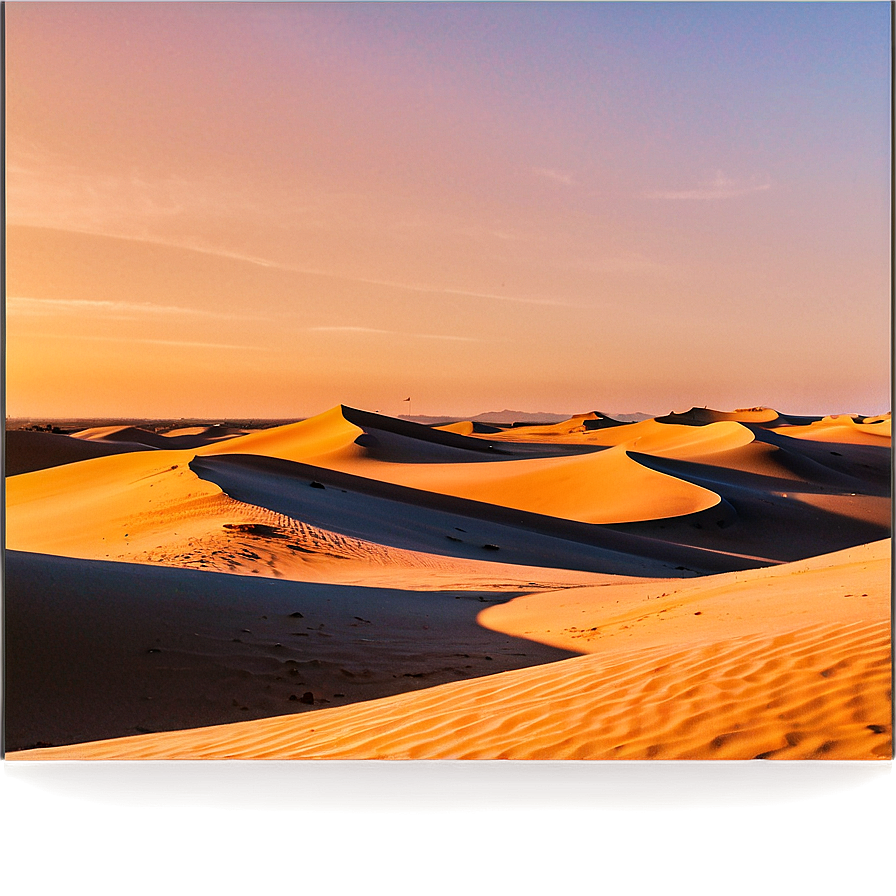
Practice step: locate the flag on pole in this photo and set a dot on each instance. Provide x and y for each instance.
(408, 398)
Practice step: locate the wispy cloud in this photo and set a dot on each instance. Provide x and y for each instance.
(111, 310)
(719, 187)
(374, 331)
(561, 177)
(45, 190)
(438, 290)
(128, 340)
(521, 300)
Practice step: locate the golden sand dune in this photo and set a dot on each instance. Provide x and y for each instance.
(785, 681)
(192, 437)
(455, 593)
(469, 428)
(847, 587)
(711, 703)
(573, 427)
(215, 432)
(780, 495)
(316, 437)
(130, 434)
(651, 436)
(702, 416)
(844, 429)
(683, 442)
(110, 507)
(605, 487)
(152, 507)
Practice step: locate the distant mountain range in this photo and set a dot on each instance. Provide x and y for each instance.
(508, 416)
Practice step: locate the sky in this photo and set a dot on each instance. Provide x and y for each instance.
(267, 210)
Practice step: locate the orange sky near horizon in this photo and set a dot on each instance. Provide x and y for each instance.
(269, 209)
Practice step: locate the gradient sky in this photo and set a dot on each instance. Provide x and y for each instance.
(269, 209)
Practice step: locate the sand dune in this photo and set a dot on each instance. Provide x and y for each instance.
(846, 430)
(800, 671)
(150, 504)
(702, 416)
(318, 436)
(710, 586)
(412, 519)
(99, 649)
(574, 426)
(28, 451)
(110, 506)
(604, 487)
(195, 437)
(215, 432)
(468, 428)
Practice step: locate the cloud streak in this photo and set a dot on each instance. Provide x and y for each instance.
(128, 340)
(44, 190)
(560, 177)
(112, 310)
(377, 332)
(720, 187)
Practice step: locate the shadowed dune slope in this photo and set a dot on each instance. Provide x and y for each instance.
(28, 451)
(844, 429)
(803, 672)
(97, 649)
(784, 520)
(196, 437)
(215, 432)
(468, 428)
(443, 524)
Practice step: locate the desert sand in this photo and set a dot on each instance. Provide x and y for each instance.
(702, 585)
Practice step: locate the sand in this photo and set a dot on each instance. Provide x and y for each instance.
(709, 585)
